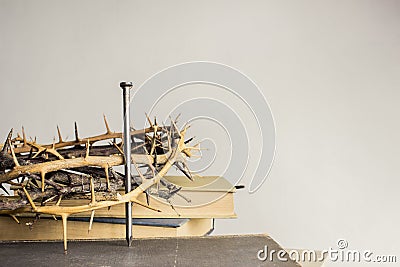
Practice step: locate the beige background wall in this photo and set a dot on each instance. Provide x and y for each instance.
(329, 69)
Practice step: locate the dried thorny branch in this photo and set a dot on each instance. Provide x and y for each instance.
(43, 175)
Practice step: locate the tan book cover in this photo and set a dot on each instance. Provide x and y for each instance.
(50, 229)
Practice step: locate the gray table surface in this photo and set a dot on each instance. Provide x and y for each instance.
(238, 250)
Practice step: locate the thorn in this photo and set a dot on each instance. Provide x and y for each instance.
(185, 198)
(13, 154)
(106, 123)
(153, 141)
(177, 117)
(49, 199)
(7, 143)
(148, 119)
(40, 150)
(76, 133)
(184, 169)
(147, 198)
(172, 206)
(54, 217)
(119, 149)
(59, 201)
(198, 144)
(144, 205)
(187, 125)
(138, 170)
(175, 126)
(107, 177)
(33, 182)
(15, 218)
(60, 140)
(189, 140)
(64, 218)
(30, 152)
(42, 174)
(87, 149)
(183, 132)
(174, 189)
(29, 198)
(91, 220)
(93, 202)
(24, 135)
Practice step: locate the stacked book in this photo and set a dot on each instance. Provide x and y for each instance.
(190, 213)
